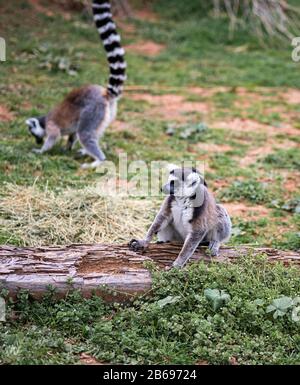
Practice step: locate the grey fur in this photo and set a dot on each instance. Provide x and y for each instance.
(192, 218)
(86, 112)
(49, 143)
(88, 127)
(84, 116)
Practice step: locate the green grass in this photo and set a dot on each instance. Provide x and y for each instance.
(250, 190)
(151, 332)
(289, 158)
(249, 232)
(212, 53)
(198, 52)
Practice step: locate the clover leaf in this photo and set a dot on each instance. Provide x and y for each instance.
(216, 297)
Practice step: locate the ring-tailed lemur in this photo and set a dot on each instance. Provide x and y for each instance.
(86, 112)
(189, 214)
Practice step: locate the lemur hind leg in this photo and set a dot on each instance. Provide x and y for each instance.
(92, 148)
(88, 133)
(220, 233)
(214, 247)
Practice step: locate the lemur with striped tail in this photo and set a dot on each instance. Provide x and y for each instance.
(86, 112)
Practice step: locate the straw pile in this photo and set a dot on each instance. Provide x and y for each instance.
(37, 216)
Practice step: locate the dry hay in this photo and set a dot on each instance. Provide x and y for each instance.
(42, 217)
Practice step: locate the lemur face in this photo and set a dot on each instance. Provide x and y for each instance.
(36, 128)
(182, 182)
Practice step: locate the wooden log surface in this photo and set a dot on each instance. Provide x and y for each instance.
(89, 267)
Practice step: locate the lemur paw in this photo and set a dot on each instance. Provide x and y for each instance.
(138, 245)
(94, 164)
(212, 252)
(176, 265)
(37, 151)
(82, 152)
(86, 166)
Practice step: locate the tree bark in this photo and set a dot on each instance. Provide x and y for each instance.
(98, 267)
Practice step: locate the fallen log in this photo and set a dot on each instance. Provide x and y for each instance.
(98, 267)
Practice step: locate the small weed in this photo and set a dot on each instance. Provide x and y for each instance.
(289, 158)
(251, 190)
(249, 231)
(289, 241)
(194, 132)
(292, 205)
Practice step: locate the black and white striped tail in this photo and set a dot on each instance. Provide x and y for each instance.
(112, 44)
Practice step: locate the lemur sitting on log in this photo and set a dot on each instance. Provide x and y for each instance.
(189, 214)
(86, 112)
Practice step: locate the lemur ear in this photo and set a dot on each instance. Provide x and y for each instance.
(204, 181)
(42, 121)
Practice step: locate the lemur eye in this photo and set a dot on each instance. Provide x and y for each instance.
(194, 184)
